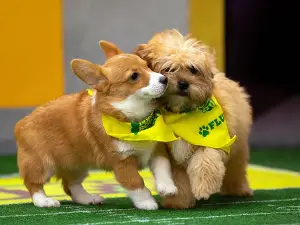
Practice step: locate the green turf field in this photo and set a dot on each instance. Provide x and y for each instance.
(267, 207)
(280, 206)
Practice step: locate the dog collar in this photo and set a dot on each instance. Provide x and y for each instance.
(153, 128)
(203, 126)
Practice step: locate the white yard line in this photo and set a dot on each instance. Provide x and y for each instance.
(246, 202)
(70, 212)
(133, 209)
(192, 218)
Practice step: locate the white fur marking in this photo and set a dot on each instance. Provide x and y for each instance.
(154, 89)
(142, 199)
(139, 105)
(144, 155)
(134, 107)
(124, 147)
(41, 200)
(142, 150)
(81, 196)
(161, 169)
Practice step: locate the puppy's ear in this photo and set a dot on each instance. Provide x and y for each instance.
(143, 51)
(109, 49)
(88, 72)
(138, 50)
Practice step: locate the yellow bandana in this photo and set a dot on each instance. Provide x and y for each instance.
(204, 126)
(153, 128)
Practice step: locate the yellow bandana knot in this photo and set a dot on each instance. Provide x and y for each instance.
(204, 126)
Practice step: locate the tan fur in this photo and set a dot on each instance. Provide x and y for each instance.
(65, 137)
(209, 170)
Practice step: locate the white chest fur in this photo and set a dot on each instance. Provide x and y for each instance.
(181, 151)
(142, 150)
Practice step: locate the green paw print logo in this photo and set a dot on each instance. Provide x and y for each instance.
(204, 131)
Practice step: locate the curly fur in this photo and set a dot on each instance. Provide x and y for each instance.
(184, 58)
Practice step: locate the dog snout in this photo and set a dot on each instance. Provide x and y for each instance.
(183, 85)
(163, 80)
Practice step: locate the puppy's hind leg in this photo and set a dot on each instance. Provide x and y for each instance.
(184, 197)
(127, 174)
(235, 181)
(35, 175)
(72, 184)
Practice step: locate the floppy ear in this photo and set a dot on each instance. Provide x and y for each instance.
(88, 72)
(109, 49)
(138, 50)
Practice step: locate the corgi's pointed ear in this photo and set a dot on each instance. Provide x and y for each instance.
(109, 49)
(88, 72)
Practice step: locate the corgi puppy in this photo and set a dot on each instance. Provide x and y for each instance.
(66, 137)
(200, 171)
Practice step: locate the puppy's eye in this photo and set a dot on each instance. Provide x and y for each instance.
(193, 70)
(134, 76)
(169, 70)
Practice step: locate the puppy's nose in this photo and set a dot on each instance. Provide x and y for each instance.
(163, 80)
(183, 85)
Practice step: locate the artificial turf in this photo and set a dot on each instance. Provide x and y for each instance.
(266, 207)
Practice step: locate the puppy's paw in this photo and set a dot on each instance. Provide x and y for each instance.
(206, 171)
(88, 199)
(47, 203)
(148, 204)
(204, 185)
(245, 191)
(166, 188)
(178, 202)
(203, 192)
(95, 200)
(142, 199)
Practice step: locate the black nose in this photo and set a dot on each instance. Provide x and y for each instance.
(163, 80)
(183, 85)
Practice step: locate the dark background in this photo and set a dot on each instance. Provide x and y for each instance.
(262, 50)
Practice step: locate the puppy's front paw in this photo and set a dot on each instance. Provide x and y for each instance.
(206, 184)
(142, 199)
(95, 199)
(206, 172)
(47, 203)
(148, 204)
(204, 191)
(87, 199)
(166, 188)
